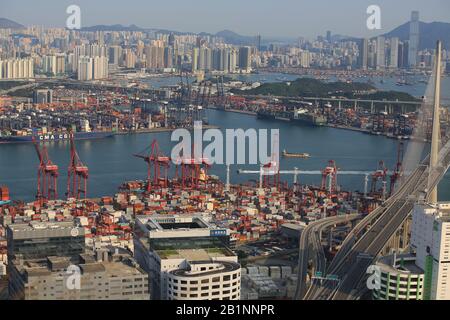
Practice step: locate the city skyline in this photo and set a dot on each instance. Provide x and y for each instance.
(247, 19)
(147, 157)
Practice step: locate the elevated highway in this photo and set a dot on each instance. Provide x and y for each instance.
(310, 247)
(371, 235)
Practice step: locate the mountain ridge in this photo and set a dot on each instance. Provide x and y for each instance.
(430, 33)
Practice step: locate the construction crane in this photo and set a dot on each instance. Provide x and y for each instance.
(78, 174)
(47, 175)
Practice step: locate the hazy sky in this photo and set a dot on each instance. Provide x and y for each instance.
(290, 18)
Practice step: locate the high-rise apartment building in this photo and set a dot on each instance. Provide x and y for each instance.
(49, 64)
(84, 69)
(115, 54)
(17, 68)
(95, 68)
(129, 59)
(100, 68)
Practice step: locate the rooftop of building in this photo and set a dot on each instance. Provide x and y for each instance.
(191, 249)
(441, 210)
(173, 222)
(404, 264)
(195, 268)
(44, 226)
(119, 265)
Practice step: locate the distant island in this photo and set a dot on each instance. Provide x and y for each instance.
(308, 87)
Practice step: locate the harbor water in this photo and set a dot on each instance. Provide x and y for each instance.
(111, 163)
(111, 160)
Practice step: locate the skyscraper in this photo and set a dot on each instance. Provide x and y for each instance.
(258, 42)
(414, 36)
(393, 61)
(363, 54)
(381, 56)
(194, 60)
(401, 55)
(244, 59)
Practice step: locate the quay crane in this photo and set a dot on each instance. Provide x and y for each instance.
(47, 175)
(78, 174)
(296, 173)
(193, 171)
(156, 162)
(329, 177)
(380, 176)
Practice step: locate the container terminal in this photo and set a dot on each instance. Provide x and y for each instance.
(100, 112)
(61, 113)
(263, 219)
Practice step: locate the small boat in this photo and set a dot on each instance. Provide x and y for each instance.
(296, 155)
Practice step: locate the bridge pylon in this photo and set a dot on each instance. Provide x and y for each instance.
(434, 155)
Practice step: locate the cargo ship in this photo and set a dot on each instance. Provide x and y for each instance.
(304, 117)
(265, 115)
(296, 155)
(55, 136)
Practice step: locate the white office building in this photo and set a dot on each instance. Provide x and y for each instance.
(430, 239)
(423, 274)
(187, 258)
(205, 280)
(400, 279)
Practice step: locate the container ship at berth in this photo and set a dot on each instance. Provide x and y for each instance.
(304, 117)
(55, 136)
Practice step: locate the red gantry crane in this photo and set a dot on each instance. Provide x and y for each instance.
(159, 162)
(47, 175)
(193, 171)
(78, 174)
